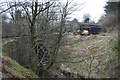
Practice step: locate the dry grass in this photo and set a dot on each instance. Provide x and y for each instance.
(90, 56)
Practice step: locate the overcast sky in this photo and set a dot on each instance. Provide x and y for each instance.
(94, 7)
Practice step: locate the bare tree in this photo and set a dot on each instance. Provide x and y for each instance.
(65, 10)
(34, 10)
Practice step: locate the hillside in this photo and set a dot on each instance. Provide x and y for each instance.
(93, 56)
(11, 69)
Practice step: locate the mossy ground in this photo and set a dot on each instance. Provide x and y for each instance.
(16, 70)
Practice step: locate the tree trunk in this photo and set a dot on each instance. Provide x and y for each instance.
(32, 54)
(119, 36)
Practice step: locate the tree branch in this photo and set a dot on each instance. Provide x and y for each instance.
(11, 7)
(44, 8)
(27, 14)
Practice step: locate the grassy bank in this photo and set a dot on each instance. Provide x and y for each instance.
(93, 56)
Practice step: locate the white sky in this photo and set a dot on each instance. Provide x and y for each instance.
(92, 7)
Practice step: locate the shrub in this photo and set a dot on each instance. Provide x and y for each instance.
(108, 22)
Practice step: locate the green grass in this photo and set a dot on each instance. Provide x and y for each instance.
(103, 46)
(17, 69)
